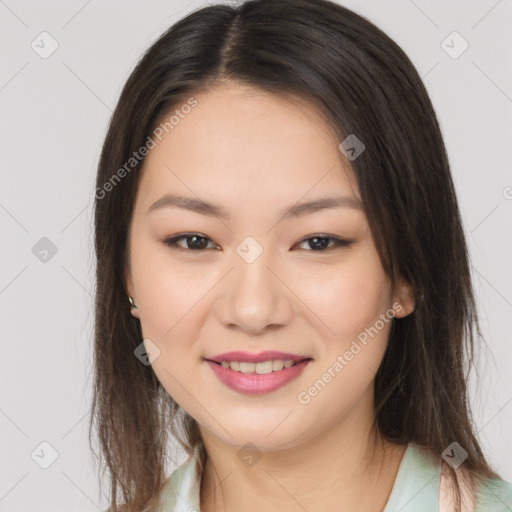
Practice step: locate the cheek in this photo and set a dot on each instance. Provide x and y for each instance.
(350, 302)
(175, 305)
(169, 293)
(349, 297)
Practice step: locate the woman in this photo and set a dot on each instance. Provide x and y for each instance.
(282, 277)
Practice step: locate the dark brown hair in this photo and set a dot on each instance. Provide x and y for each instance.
(364, 84)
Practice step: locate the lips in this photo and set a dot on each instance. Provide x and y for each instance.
(260, 357)
(254, 384)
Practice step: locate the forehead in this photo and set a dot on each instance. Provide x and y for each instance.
(242, 142)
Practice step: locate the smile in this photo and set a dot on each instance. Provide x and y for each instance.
(259, 368)
(257, 378)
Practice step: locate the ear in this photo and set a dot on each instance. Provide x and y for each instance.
(130, 289)
(404, 296)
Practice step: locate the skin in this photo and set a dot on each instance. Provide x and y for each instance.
(255, 153)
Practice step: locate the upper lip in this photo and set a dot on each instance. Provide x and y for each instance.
(260, 357)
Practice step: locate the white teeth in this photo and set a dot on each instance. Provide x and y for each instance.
(247, 367)
(259, 368)
(265, 367)
(277, 365)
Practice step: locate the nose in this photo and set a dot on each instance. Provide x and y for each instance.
(255, 298)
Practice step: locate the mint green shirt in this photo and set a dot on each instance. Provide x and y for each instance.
(416, 487)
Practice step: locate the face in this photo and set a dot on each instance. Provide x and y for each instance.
(258, 271)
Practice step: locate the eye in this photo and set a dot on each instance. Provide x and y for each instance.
(193, 241)
(319, 243)
(197, 242)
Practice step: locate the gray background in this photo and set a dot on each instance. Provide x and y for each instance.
(54, 117)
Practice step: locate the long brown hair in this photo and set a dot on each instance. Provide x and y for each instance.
(364, 84)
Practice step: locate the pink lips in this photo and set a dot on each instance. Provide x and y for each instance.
(256, 358)
(253, 383)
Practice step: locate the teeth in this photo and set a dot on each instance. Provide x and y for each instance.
(247, 367)
(265, 367)
(259, 368)
(277, 365)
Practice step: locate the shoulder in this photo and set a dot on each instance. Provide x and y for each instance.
(494, 495)
(479, 495)
(181, 490)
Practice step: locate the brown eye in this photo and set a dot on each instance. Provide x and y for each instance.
(319, 243)
(193, 242)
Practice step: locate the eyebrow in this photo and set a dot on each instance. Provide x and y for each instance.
(297, 210)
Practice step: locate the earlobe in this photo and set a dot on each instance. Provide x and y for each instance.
(134, 310)
(404, 296)
(133, 307)
(131, 303)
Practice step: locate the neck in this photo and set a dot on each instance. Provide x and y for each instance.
(340, 465)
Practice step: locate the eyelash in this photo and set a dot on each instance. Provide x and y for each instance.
(172, 242)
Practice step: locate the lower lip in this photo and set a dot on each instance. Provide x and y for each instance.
(254, 383)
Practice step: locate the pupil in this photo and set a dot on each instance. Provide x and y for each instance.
(199, 245)
(315, 244)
